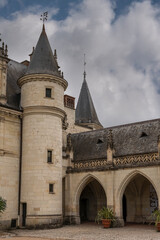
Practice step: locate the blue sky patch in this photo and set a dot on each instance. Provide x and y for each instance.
(12, 6)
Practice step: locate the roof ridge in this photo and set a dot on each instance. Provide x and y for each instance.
(118, 126)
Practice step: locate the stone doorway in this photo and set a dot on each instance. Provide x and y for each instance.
(92, 198)
(139, 200)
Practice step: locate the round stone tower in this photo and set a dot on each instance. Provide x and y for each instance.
(42, 93)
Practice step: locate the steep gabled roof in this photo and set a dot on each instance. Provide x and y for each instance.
(85, 111)
(43, 61)
(128, 139)
(15, 70)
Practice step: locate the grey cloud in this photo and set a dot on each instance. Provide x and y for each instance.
(123, 56)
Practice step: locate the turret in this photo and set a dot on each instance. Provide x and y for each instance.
(85, 111)
(42, 94)
(3, 72)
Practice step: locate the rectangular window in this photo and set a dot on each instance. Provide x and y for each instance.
(49, 156)
(48, 92)
(51, 188)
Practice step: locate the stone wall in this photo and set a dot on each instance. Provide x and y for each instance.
(42, 132)
(72, 127)
(33, 91)
(9, 162)
(37, 173)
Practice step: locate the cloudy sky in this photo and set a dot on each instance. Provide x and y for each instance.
(121, 40)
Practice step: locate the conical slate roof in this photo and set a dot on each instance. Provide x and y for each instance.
(43, 60)
(85, 111)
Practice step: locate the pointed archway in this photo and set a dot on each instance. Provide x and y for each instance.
(139, 200)
(91, 199)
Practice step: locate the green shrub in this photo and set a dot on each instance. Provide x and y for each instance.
(3, 205)
(156, 214)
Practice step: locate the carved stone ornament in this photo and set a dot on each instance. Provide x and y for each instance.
(65, 123)
(69, 141)
(136, 159)
(133, 160)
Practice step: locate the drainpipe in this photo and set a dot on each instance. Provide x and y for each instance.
(20, 172)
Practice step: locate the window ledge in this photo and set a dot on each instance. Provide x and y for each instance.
(49, 98)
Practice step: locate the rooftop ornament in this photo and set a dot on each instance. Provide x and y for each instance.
(44, 17)
(3, 49)
(84, 74)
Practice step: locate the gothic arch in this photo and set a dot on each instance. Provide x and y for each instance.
(125, 183)
(128, 178)
(81, 186)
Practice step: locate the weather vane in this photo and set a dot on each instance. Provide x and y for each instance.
(44, 17)
(84, 67)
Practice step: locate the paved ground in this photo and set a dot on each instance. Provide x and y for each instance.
(86, 232)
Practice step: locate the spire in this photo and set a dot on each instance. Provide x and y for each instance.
(85, 111)
(84, 73)
(43, 28)
(43, 61)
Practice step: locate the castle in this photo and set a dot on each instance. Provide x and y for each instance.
(59, 165)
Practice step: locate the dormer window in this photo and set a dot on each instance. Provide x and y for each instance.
(69, 101)
(99, 141)
(143, 134)
(48, 92)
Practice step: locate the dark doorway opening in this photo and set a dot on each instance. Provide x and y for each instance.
(83, 209)
(13, 223)
(124, 208)
(92, 199)
(24, 214)
(63, 196)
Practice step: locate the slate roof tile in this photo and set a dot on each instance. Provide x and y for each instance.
(127, 140)
(43, 61)
(85, 110)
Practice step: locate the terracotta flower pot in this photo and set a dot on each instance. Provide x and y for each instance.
(158, 226)
(106, 223)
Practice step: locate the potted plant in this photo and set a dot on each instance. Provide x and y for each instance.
(156, 214)
(106, 215)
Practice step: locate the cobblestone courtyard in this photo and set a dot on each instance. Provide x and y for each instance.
(86, 232)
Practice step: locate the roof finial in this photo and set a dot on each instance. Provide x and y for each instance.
(44, 17)
(55, 54)
(84, 74)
